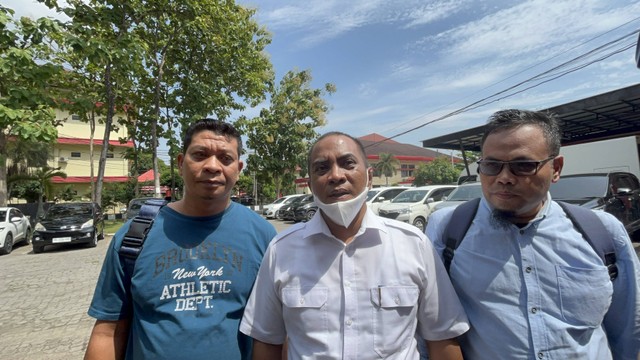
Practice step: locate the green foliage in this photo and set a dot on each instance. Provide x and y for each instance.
(387, 165)
(165, 179)
(28, 83)
(27, 190)
(281, 134)
(439, 171)
(67, 194)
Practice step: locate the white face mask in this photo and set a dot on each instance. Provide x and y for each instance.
(343, 212)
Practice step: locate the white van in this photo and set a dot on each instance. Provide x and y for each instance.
(376, 197)
(414, 205)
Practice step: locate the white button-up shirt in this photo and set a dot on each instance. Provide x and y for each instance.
(361, 300)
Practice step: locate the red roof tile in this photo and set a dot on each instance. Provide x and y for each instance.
(76, 141)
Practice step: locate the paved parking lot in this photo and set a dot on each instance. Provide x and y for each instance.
(44, 300)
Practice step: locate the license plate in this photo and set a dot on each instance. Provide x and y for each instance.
(62, 239)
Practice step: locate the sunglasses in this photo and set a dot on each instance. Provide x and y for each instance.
(517, 167)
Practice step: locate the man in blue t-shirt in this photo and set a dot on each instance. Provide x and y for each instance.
(192, 279)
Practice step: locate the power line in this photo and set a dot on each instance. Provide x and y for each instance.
(548, 73)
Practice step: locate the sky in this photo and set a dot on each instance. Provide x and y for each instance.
(400, 66)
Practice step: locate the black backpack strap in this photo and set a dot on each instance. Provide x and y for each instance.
(457, 227)
(593, 230)
(136, 235)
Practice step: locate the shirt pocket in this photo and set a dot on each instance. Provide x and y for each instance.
(306, 307)
(585, 294)
(394, 317)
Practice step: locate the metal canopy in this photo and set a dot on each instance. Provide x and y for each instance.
(605, 116)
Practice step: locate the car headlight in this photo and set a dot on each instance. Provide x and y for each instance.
(403, 211)
(40, 227)
(88, 224)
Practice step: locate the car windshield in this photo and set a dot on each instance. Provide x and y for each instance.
(372, 193)
(279, 200)
(464, 193)
(410, 196)
(298, 200)
(68, 210)
(579, 187)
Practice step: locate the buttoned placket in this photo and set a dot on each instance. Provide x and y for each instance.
(350, 297)
(532, 290)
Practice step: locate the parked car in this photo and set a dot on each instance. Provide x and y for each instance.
(266, 208)
(69, 223)
(376, 197)
(617, 193)
(243, 199)
(14, 228)
(280, 213)
(414, 205)
(271, 212)
(287, 212)
(305, 212)
(462, 193)
(134, 207)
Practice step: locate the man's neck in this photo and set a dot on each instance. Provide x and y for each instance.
(346, 234)
(197, 207)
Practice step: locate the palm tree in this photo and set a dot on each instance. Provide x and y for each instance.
(43, 176)
(387, 165)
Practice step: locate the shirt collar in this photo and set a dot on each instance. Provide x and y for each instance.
(317, 225)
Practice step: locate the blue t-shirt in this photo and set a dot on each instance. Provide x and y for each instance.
(189, 286)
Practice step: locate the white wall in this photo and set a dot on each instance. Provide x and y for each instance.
(602, 156)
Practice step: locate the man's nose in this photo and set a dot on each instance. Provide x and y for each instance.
(336, 174)
(505, 176)
(212, 164)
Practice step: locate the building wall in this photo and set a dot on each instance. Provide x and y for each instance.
(72, 128)
(71, 153)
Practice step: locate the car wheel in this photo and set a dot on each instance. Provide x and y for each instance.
(419, 223)
(27, 239)
(38, 249)
(94, 239)
(310, 214)
(8, 245)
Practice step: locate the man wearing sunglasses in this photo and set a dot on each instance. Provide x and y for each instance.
(532, 287)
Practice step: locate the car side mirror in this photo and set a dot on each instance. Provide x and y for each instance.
(430, 200)
(15, 219)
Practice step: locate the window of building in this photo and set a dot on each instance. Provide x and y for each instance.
(109, 155)
(76, 154)
(406, 170)
(75, 117)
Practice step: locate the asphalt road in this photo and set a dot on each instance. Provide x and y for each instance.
(45, 297)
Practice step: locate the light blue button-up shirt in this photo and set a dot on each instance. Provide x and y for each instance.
(541, 291)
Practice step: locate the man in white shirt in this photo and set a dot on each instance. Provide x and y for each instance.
(349, 284)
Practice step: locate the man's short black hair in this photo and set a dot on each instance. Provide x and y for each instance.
(338, 133)
(513, 118)
(215, 126)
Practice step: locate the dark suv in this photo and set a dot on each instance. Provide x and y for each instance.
(617, 193)
(69, 223)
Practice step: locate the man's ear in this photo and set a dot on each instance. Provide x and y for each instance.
(179, 161)
(558, 162)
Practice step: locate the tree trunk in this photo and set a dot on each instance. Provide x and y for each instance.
(3, 169)
(107, 131)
